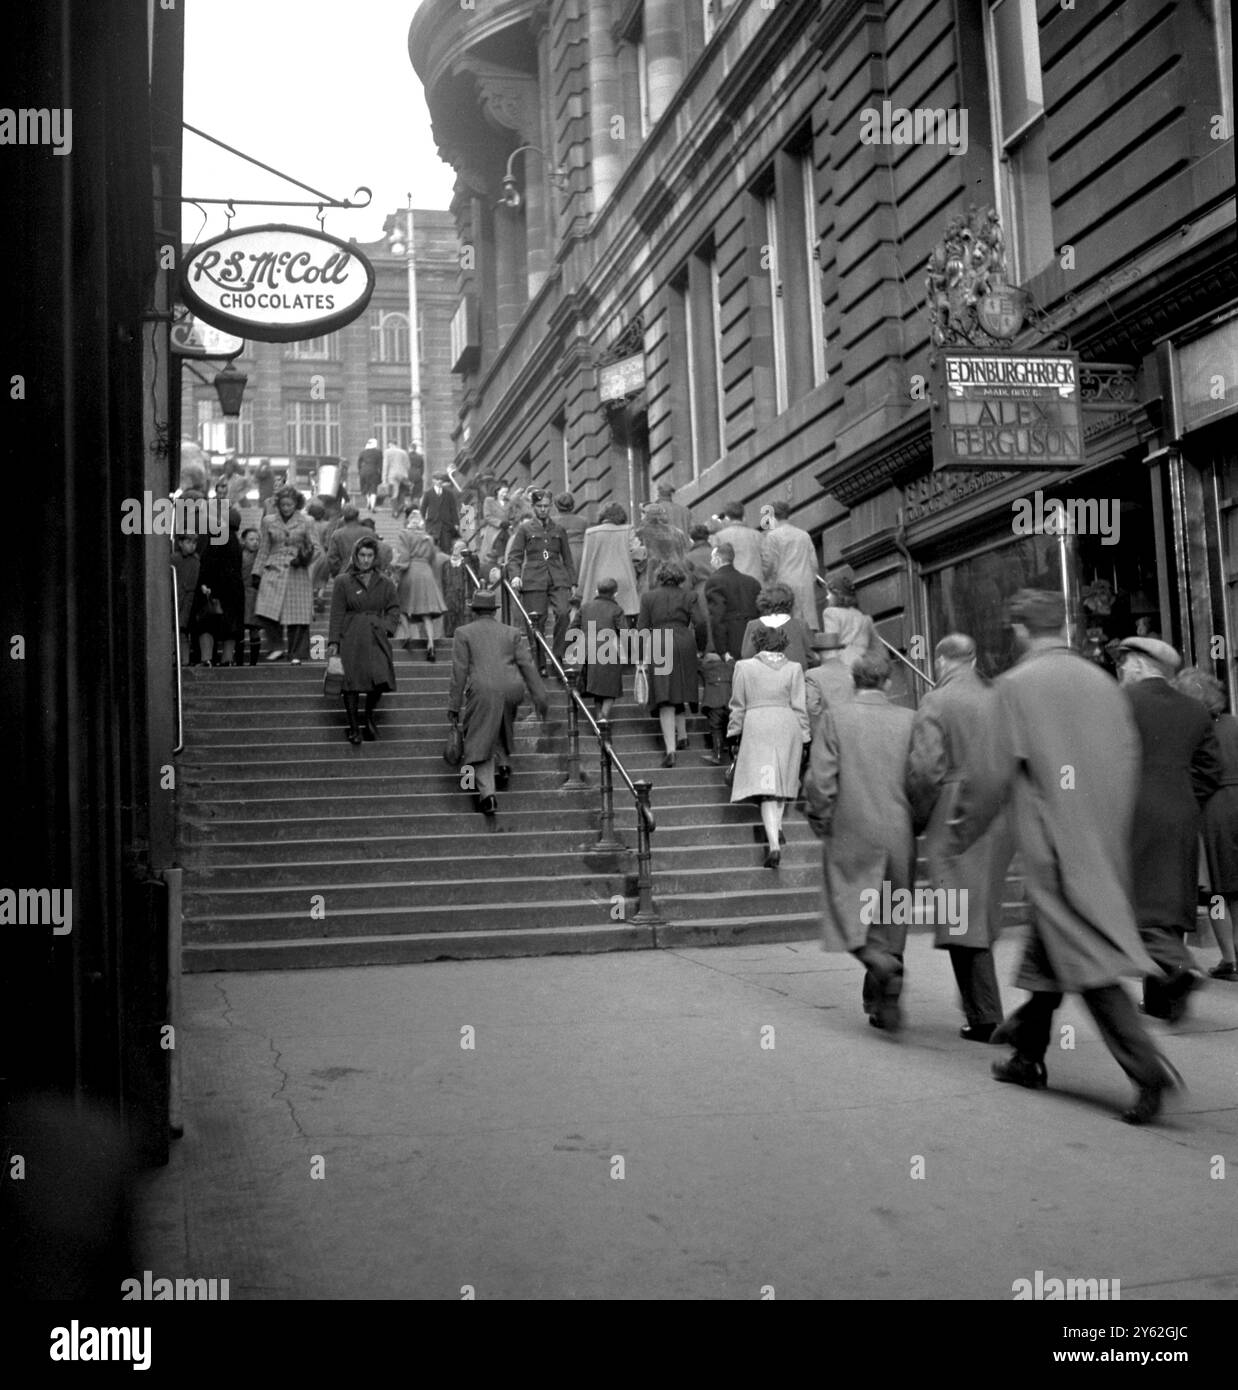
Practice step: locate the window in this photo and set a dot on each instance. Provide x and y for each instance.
(711, 15)
(642, 79)
(698, 312)
(219, 435)
(313, 427)
(393, 424)
(316, 348)
(1020, 140)
(559, 450)
(770, 257)
(388, 337)
(812, 266)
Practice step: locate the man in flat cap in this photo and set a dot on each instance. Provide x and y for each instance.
(1063, 747)
(1181, 769)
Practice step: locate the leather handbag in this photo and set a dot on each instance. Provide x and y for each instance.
(453, 749)
(333, 680)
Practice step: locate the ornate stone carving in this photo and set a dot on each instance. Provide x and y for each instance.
(509, 99)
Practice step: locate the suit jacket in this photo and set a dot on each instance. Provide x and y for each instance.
(731, 597)
(747, 546)
(441, 511)
(1180, 769)
(1064, 750)
(540, 556)
(950, 723)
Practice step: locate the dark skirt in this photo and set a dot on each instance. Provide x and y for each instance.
(680, 686)
(1221, 840)
(603, 682)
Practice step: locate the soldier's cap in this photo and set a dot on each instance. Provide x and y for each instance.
(483, 601)
(1160, 652)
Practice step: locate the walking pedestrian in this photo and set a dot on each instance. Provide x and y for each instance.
(343, 539)
(855, 790)
(253, 629)
(949, 725)
(186, 564)
(731, 600)
(287, 551)
(574, 526)
(717, 684)
(843, 612)
(607, 554)
(453, 582)
(420, 597)
(655, 543)
(541, 570)
(364, 615)
(789, 557)
(1220, 832)
(774, 605)
(1180, 768)
(369, 473)
(670, 610)
(600, 622)
(397, 470)
(677, 514)
(1064, 749)
(220, 613)
(490, 673)
(828, 683)
(743, 540)
(769, 719)
(492, 543)
(440, 509)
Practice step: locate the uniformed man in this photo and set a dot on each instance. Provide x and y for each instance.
(541, 570)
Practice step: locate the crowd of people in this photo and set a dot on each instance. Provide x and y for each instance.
(1119, 797)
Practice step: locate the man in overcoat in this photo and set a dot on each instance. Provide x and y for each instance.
(677, 514)
(490, 672)
(731, 598)
(540, 568)
(1064, 749)
(743, 540)
(441, 510)
(788, 557)
(857, 806)
(829, 683)
(397, 476)
(950, 725)
(1179, 770)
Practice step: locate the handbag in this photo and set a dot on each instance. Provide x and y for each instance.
(333, 680)
(453, 749)
(730, 772)
(213, 609)
(640, 685)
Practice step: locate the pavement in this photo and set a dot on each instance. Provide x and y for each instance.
(676, 1124)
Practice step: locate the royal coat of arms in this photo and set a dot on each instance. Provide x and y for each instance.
(970, 302)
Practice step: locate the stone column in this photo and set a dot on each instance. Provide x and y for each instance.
(510, 278)
(663, 53)
(604, 104)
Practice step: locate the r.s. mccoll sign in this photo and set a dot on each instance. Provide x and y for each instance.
(277, 284)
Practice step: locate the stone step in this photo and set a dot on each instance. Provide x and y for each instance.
(373, 760)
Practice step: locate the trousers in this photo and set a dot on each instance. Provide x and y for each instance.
(976, 978)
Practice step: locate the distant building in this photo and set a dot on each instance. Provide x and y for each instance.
(324, 397)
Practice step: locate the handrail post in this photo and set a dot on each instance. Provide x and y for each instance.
(607, 839)
(179, 745)
(575, 776)
(646, 909)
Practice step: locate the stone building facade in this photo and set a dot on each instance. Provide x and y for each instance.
(327, 396)
(719, 217)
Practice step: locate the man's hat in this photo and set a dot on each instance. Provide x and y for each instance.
(843, 585)
(828, 641)
(442, 477)
(1160, 652)
(483, 601)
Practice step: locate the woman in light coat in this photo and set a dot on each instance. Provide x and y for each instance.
(414, 563)
(769, 717)
(607, 554)
(287, 551)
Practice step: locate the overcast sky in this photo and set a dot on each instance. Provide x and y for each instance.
(321, 89)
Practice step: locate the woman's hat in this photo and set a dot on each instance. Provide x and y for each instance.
(843, 585)
(483, 601)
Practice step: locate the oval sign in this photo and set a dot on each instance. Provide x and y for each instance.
(277, 284)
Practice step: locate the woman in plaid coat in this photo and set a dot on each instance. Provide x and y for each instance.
(287, 550)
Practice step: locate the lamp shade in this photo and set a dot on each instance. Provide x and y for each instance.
(230, 387)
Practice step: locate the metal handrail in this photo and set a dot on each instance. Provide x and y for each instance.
(176, 662)
(891, 648)
(562, 674)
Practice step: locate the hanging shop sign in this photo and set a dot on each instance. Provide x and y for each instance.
(994, 409)
(616, 380)
(192, 338)
(277, 284)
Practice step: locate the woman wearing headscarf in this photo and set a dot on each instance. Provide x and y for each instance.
(769, 717)
(774, 604)
(493, 527)
(655, 543)
(670, 608)
(414, 562)
(287, 552)
(842, 612)
(364, 615)
(607, 554)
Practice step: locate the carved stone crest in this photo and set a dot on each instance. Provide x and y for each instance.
(970, 302)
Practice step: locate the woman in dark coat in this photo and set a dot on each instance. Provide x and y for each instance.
(656, 542)
(219, 577)
(491, 670)
(364, 614)
(671, 609)
(1220, 830)
(370, 472)
(602, 680)
(774, 603)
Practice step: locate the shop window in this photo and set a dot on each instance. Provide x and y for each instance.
(1020, 140)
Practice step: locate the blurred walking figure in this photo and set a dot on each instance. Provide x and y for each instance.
(671, 609)
(370, 472)
(676, 513)
(364, 616)
(220, 613)
(1220, 819)
(490, 673)
(492, 542)
(829, 683)
(1064, 749)
(607, 554)
(769, 718)
(789, 557)
(397, 470)
(1180, 769)
(421, 599)
(602, 681)
(574, 526)
(855, 790)
(949, 726)
(287, 551)
(343, 539)
(745, 543)
(842, 612)
(253, 631)
(656, 543)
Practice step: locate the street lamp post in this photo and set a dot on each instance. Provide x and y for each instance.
(409, 250)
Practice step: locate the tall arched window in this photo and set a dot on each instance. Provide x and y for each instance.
(388, 336)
